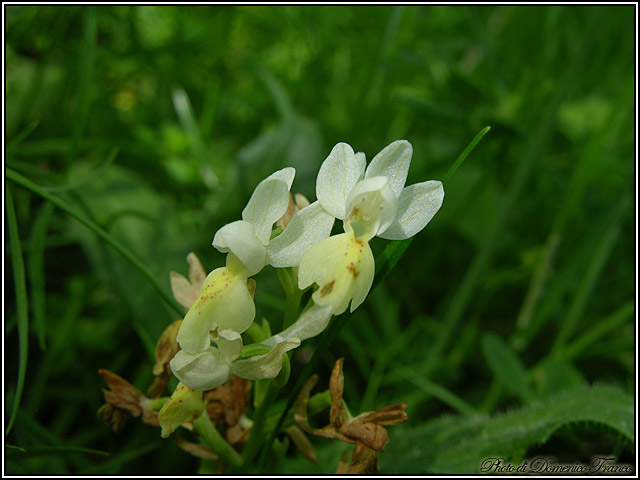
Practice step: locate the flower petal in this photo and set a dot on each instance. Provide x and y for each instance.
(224, 303)
(239, 238)
(264, 366)
(393, 162)
(306, 228)
(340, 171)
(185, 405)
(342, 267)
(269, 202)
(417, 205)
(311, 323)
(229, 344)
(371, 207)
(203, 370)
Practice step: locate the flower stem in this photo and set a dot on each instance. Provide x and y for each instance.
(257, 437)
(219, 445)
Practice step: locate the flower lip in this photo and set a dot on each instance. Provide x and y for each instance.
(373, 205)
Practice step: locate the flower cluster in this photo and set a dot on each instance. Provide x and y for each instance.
(370, 200)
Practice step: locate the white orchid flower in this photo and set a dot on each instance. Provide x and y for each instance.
(225, 301)
(213, 366)
(371, 202)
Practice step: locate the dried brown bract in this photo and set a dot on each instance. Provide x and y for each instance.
(366, 430)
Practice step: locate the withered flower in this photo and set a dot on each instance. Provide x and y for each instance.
(366, 430)
(186, 291)
(124, 397)
(293, 207)
(166, 349)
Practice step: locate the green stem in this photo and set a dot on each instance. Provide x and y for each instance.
(62, 205)
(256, 438)
(219, 445)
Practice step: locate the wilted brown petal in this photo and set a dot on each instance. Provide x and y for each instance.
(302, 443)
(344, 464)
(372, 435)
(196, 449)
(364, 460)
(301, 416)
(116, 418)
(336, 388)
(251, 286)
(186, 291)
(122, 395)
(236, 435)
(288, 215)
(387, 415)
(228, 400)
(166, 348)
(301, 201)
(197, 275)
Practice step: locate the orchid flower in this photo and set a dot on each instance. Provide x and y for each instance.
(213, 366)
(225, 301)
(371, 202)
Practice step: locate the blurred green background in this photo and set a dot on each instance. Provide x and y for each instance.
(156, 123)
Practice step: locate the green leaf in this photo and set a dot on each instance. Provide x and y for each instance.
(506, 365)
(21, 302)
(458, 445)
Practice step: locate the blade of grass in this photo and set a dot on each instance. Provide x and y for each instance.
(533, 151)
(86, 63)
(36, 451)
(589, 279)
(36, 270)
(117, 462)
(58, 202)
(438, 391)
(85, 181)
(595, 333)
(21, 304)
(465, 153)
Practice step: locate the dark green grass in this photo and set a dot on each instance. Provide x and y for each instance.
(153, 125)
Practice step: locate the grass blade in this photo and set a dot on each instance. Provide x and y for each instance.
(465, 153)
(21, 302)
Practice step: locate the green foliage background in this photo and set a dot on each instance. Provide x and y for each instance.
(156, 123)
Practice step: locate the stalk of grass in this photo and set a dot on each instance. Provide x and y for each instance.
(590, 278)
(58, 202)
(22, 312)
(534, 150)
(599, 330)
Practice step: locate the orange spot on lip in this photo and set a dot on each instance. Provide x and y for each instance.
(327, 289)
